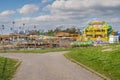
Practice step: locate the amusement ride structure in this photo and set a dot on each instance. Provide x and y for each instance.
(97, 31)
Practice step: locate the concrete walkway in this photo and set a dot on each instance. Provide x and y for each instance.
(49, 66)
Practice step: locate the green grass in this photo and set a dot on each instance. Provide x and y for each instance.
(9, 70)
(35, 50)
(105, 59)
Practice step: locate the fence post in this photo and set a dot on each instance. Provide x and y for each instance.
(4, 69)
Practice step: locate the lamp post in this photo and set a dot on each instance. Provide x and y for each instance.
(13, 30)
(13, 25)
(27, 30)
(3, 26)
(23, 27)
(23, 33)
(35, 33)
(23, 24)
(34, 27)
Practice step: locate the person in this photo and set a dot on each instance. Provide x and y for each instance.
(99, 39)
(95, 43)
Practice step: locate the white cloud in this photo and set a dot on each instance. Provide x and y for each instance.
(81, 4)
(6, 13)
(44, 1)
(28, 9)
(83, 8)
(49, 18)
(42, 18)
(115, 20)
(77, 12)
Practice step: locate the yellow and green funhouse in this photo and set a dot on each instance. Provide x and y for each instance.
(97, 30)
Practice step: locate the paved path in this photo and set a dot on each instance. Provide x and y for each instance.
(49, 66)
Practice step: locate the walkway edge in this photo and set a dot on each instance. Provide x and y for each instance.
(91, 70)
(18, 63)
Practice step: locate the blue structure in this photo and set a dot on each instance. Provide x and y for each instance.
(118, 34)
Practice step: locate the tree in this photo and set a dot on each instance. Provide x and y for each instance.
(79, 31)
(57, 30)
(50, 33)
(71, 30)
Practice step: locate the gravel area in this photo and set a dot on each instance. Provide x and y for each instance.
(49, 66)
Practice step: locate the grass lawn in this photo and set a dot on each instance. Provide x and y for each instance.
(9, 70)
(105, 59)
(35, 50)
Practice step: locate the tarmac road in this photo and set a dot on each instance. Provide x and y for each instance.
(49, 66)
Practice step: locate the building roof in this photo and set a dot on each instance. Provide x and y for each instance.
(62, 34)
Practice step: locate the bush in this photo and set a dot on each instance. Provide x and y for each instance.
(81, 44)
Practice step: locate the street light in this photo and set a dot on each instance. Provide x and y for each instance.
(13, 25)
(23, 25)
(3, 26)
(35, 33)
(34, 26)
(35, 29)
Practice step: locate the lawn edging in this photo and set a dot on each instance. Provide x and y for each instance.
(91, 70)
(18, 64)
(35, 50)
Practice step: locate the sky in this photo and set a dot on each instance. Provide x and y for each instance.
(49, 14)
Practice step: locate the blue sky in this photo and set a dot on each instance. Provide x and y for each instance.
(49, 14)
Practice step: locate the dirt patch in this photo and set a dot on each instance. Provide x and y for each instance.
(105, 47)
(108, 50)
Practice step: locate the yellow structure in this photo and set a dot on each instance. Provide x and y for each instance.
(97, 30)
